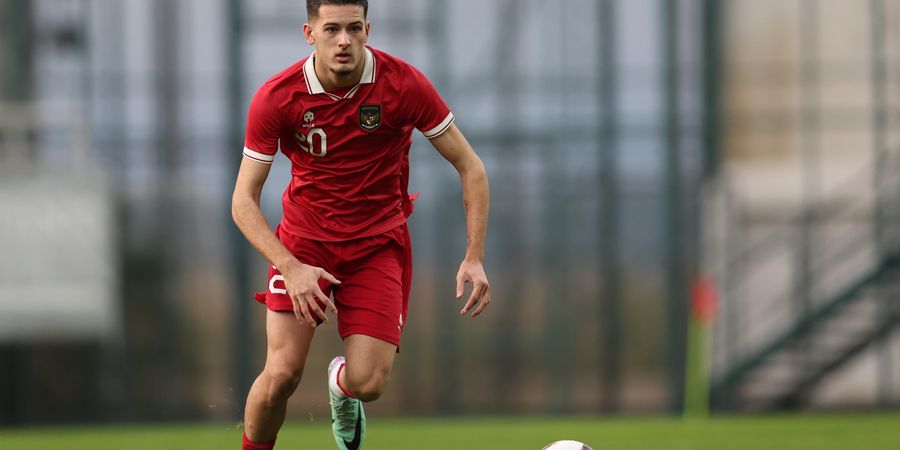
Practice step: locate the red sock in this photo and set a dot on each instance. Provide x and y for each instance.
(249, 445)
(345, 390)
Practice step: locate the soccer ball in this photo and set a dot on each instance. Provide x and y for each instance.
(567, 445)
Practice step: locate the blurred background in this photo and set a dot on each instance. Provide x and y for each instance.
(692, 201)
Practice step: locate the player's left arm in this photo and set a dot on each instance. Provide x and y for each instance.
(454, 147)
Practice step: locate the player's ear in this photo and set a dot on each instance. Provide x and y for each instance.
(307, 32)
(368, 30)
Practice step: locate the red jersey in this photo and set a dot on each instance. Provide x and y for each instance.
(349, 149)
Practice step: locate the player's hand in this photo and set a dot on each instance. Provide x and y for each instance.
(473, 272)
(302, 284)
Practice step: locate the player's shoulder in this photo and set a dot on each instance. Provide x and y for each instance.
(284, 83)
(391, 65)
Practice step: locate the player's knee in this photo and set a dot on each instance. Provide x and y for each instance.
(369, 392)
(371, 387)
(282, 383)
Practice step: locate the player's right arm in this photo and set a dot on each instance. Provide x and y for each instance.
(301, 281)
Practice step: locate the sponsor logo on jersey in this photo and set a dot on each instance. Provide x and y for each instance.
(308, 119)
(370, 117)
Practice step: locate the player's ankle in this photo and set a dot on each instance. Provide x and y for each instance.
(250, 445)
(342, 383)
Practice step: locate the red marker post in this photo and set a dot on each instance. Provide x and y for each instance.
(704, 303)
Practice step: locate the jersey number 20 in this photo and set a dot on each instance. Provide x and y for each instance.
(316, 147)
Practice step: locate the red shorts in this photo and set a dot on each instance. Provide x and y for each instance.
(375, 274)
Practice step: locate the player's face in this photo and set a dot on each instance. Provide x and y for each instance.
(339, 33)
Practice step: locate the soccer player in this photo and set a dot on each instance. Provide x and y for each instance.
(344, 117)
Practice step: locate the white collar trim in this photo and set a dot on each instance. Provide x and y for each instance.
(314, 86)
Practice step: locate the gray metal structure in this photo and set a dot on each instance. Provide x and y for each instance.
(809, 277)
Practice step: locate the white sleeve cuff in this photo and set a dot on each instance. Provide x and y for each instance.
(258, 157)
(441, 128)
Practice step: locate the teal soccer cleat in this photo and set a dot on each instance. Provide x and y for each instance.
(348, 420)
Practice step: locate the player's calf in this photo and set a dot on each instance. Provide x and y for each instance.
(367, 385)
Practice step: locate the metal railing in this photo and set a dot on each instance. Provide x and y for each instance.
(787, 269)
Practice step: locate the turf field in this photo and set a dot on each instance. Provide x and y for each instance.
(822, 432)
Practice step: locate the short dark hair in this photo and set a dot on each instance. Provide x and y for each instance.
(312, 6)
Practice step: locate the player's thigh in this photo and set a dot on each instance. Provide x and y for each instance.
(310, 252)
(288, 343)
(368, 356)
(371, 298)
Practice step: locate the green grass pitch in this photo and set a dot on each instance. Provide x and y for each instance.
(818, 432)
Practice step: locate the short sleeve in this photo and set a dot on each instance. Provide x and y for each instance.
(263, 128)
(426, 110)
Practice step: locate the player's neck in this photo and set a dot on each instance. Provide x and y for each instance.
(331, 80)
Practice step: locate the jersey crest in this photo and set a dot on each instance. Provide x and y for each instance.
(370, 117)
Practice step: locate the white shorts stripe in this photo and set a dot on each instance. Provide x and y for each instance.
(257, 156)
(440, 129)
